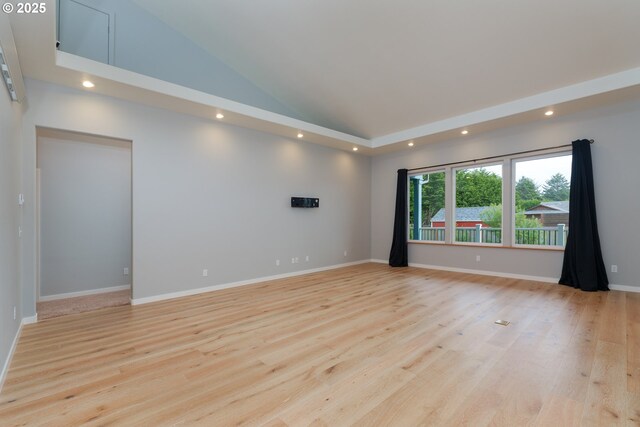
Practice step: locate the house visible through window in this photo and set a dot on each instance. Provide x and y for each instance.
(478, 202)
(537, 210)
(541, 202)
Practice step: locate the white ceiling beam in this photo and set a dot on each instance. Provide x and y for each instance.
(543, 100)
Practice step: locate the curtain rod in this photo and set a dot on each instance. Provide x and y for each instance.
(493, 157)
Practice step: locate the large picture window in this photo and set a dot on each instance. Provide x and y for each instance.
(541, 200)
(514, 201)
(478, 202)
(426, 207)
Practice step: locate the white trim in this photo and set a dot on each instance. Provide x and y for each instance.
(473, 244)
(7, 362)
(38, 228)
(487, 273)
(569, 93)
(613, 287)
(179, 294)
(550, 154)
(29, 320)
(574, 92)
(137, 80)
(84, 293)
(624, 288)
(14, 344)
(480, 272)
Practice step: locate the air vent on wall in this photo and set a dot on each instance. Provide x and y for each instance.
(6, 76)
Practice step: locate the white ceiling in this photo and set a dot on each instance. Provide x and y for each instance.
(379, 67)
(388, 71)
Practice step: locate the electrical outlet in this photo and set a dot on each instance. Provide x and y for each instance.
(293, 260)
(306, 258)
(15, 313)
(277, 263)
(19, 231)
(205, 273)
(345, 252)
(614, 268)
(126, 271)
(477, 258)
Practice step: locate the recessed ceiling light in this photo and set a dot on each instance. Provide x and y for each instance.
(300, 135)
(411, 144)
(464, 132)
(219, 116)
(88, 84)
(355, 148)
(549, 113)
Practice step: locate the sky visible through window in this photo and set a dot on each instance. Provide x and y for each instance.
(541, 170)
(497, 169)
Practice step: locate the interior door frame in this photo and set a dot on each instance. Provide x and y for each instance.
(38, 209)
(38, 254)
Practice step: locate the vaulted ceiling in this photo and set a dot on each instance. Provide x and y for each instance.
(372, 68)
(374, 73)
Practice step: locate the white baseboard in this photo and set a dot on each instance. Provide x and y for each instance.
(613, 287)
(488, 273)
(29, 320)
(480, 272)
(179, 294)
(84, 293)
(7, 362)
(14, 344)
(624, 288)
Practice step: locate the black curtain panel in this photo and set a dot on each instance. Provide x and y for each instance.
(583, 266)
(399, 252)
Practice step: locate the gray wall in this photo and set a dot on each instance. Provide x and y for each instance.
(10, 219)
(148, 46)
(208, 195)
(214, 196)
(615, 162)
(85, 212)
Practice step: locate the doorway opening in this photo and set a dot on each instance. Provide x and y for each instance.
(84, 233)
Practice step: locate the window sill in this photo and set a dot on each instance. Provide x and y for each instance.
(493, 246)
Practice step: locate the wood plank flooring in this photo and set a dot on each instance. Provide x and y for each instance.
(365, 345)
(66, 306)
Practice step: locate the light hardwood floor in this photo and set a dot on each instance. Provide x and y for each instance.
(66, 306)
(365, 345)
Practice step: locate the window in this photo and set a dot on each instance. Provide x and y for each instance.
(478, 204)
(426, 207)
(511, 201)
(541, 200)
